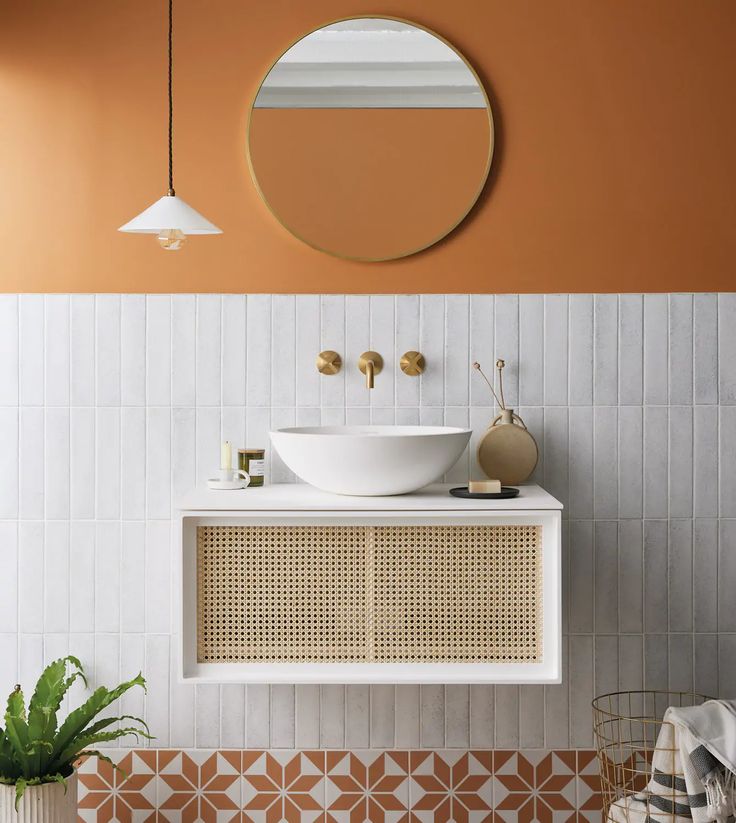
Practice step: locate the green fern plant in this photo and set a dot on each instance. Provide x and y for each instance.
(34, 749)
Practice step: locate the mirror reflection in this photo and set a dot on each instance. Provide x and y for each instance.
(370, 138)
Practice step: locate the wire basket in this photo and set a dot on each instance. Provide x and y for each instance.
(626, 726)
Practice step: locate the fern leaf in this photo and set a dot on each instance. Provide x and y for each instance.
(8, 767)
(20, 787)
(78, 720)
(16, 731)
(45, 703)
(72, 751)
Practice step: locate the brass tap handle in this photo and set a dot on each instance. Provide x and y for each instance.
(329, 362)
(413, 363)
(371, 364)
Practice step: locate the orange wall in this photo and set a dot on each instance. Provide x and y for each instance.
(614, 167)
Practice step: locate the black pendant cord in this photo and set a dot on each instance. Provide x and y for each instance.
(171, 102)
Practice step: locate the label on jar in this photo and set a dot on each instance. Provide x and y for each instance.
(256, 468)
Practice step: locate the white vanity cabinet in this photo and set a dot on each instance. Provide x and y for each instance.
(288, 584)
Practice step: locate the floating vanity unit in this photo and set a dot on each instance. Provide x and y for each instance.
(290, 584)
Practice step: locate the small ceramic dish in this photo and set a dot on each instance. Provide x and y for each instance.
(505, 493)
(226, 485)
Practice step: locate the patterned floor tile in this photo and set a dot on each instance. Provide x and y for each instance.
(199, 785)
(367, 785)
(450, 785)
(126, 794)
(283, 785)
(589, 798)
(535, 786)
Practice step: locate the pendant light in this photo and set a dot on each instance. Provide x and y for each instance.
(170, 218)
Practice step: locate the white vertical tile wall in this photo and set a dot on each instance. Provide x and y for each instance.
(112, 405)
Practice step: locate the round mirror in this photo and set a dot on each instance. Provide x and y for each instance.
(370, 138)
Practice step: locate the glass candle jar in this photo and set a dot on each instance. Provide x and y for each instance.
(253, 461)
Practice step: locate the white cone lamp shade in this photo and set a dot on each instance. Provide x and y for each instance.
(170, 213)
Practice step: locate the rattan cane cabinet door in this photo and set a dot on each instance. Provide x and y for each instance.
(369, 594)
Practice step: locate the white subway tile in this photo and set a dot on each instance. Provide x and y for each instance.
(158, 702)
(705, 575)
(32, 464)
(232, 428)
(630, 461)
(233, 349)
(506, 713)
(407, 716)
(631, 349)
(207, 349)
(357, 716)
(656, 425)
(307, 716)
(57, 350)
(183, 350)
(606, 661)
(556, 322)
(457, 717)
(107, 463)
(655, 573)
(31, 345)
(332, 714)
(158, 349)
(457, 350)
(727, 348)
(605, 349)
(280, 473)
(681, 662)
(481, 345)
(557, 707)
(606, 576)
(257, 715)
(107, 349)
(680, 575)
(432, 346)
(183, 451)
(181, 703)
(207, 718)
(727, 461)
(432, 708)
(30, 661)
(208, 443)
(158, 463)
(132, 463)
(482, 720)
(56, 464)
(82, 463)
(258, 350)
(307, 349)
(382, 333)
(705, 461)
(82, 354)
(582, 564)
(9, 577)
(532, 377)
(107, 577)
(581, 690)
(332, 338)
(531, 717)
(132, 661)
(656, 341)
(30, 571)
(681, 348)
(580, 369)
(407, 339)
(506, 327)
(9, 657)
(9, 448)
(382, 716)
(157, 577)
(82, 594)
(630, 576)
(605, 453)
(726, 572)
(459, 473)
(282, 716)
(56, 577)
(705, 663)
(232, 716)
(133, 350)
(9, 346)
(681, 461)
(134, 578)
(283, 350)
(357, 340)
(581, 461)
(705, 348)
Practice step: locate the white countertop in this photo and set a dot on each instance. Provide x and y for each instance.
(301, 497)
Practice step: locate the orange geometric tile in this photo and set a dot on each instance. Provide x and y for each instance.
(450, 785)
(126, 794)
(367, 785)
(535, 785)
(199, 785)
(282, 785)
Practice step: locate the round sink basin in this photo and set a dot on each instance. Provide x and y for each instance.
(370, 460)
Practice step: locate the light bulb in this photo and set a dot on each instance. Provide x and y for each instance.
(171, 239)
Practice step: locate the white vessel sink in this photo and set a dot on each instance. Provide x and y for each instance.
(370, 460)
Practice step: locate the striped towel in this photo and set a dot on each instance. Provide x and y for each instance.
(693, 770)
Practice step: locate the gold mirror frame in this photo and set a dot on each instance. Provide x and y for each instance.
(484, 176)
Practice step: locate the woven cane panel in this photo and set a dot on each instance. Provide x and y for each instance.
(356, 594)
(281, 594)
(457, 594)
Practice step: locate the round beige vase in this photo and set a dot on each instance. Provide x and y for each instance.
(47, 803)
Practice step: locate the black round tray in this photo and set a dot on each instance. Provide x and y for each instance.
(505, 493)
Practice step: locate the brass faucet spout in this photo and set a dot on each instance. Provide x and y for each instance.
(370, 364)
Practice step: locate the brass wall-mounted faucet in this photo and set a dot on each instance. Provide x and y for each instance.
(371, 364)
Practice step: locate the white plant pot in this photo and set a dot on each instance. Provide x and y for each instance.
(46, 803)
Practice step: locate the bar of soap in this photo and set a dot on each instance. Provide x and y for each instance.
(484, 486)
